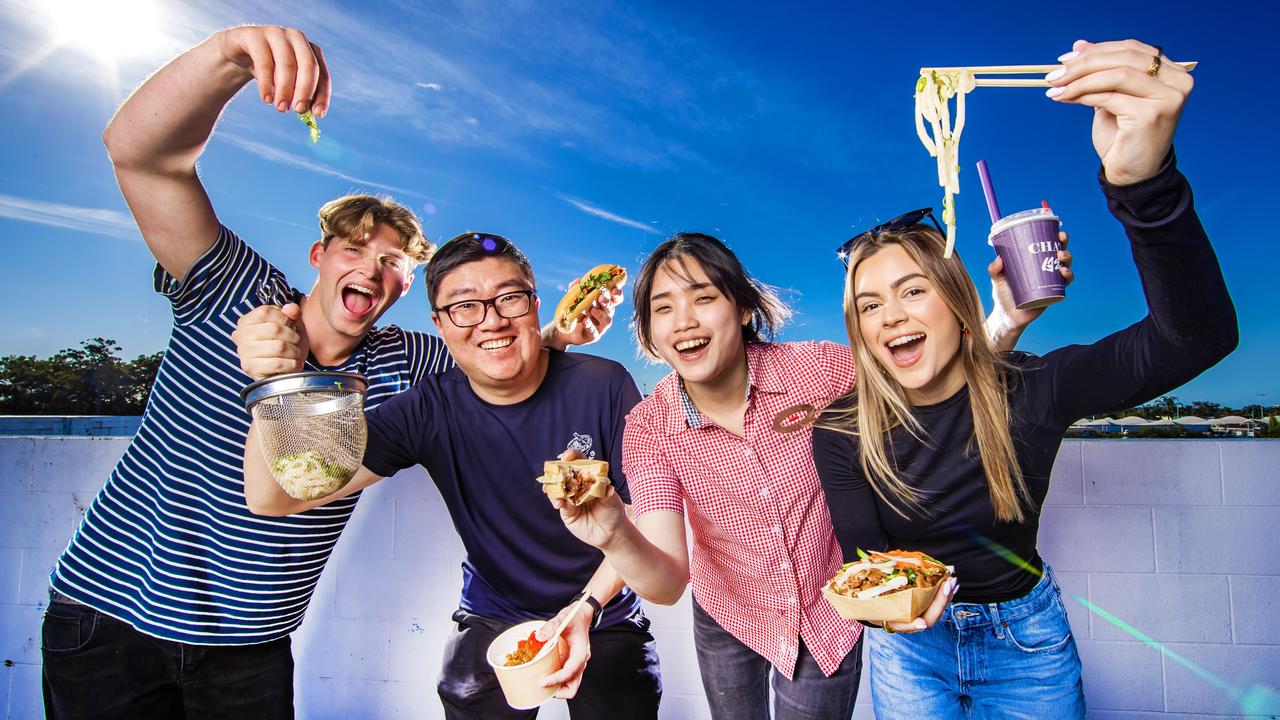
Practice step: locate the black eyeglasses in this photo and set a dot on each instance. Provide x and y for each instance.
(469, 313)
(902, 222)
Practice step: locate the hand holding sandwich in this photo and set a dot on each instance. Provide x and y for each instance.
(586, 310)
(595, 523)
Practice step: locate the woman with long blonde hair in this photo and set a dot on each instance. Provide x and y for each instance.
(946, 446)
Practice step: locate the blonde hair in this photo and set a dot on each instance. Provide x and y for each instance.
(354, 217)
(881, 403)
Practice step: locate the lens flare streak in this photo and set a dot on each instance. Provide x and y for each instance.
(1254, 700)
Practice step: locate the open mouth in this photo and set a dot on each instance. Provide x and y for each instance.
(693, 348)
(496, 345)
(906, 350)
(358, 299)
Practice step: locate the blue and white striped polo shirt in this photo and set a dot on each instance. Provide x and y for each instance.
(168, 544)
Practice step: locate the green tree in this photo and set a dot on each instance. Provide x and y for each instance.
(1271, 430)
(89, 380)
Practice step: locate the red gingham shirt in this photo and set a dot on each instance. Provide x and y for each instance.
(763, 544)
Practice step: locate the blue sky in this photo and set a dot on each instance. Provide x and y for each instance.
(587, 131)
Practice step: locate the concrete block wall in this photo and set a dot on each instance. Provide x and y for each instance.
(1170, 538)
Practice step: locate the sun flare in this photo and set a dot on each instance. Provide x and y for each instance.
(107, 30)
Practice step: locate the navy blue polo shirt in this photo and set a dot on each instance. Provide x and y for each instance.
(522, 563)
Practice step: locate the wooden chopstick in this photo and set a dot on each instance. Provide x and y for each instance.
(1011, 82)
(1020, 70)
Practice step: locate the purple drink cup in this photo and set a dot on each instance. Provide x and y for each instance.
(1028, 244)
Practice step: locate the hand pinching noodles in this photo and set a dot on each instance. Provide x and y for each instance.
(934, 89)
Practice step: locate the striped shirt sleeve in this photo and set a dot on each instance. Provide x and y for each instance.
(427, 355)
(650, 477)
(225, 275)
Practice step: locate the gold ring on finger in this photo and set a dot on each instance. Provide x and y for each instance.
(1155, 63)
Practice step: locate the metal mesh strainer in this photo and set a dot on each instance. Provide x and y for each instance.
(311, 429)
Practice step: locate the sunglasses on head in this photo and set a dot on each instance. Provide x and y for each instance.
(495, 244)
(902, 222)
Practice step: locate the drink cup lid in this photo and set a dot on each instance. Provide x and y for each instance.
(1019, 218)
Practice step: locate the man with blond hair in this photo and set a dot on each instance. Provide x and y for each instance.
(172, 599)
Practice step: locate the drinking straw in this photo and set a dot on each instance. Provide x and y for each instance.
(988, 191)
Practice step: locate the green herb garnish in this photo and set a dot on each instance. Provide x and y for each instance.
(309, 119)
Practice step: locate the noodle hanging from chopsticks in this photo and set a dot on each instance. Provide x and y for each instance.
(933, 92)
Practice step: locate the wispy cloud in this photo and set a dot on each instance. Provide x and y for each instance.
(611, 217)
(430, 86)
(99, 221)
(274, 154)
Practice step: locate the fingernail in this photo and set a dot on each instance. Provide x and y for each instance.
(282, 105)
(320, 110)
(300, 106)
(1054, 92)
(268, 99)
(919, 624)
(1055, 74)
(1068, 56)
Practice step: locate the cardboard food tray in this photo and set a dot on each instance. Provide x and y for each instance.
(902, 606)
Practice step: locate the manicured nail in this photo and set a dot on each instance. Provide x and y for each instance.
(1068, 56)
(268, 99)
(1054, 92)
(1055, 74)
(282, 105)
(300, 106)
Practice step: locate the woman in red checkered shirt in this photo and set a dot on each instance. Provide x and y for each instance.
(724, 442)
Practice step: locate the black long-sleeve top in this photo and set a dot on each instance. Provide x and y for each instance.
(1190, 326)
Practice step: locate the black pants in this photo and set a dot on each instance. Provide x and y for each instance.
(98, 667)
(737, 679)
(622, 679)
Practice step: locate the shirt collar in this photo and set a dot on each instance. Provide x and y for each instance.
(761, 376)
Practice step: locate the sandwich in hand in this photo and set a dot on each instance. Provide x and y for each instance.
(584, 291)
(578, 481)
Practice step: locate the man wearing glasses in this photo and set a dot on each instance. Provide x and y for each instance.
(172, 598)
(483, 431)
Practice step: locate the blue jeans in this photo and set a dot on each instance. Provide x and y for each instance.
(737, 679)
(1015, 659)
(98, 667)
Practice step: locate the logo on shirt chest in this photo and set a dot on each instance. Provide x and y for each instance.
(581, 443)
(796, 417)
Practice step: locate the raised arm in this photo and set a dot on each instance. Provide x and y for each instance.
(158, 134)
(1191, 321)
(650, 555)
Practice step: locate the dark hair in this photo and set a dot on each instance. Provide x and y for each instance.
(724, 270)
(472, 247)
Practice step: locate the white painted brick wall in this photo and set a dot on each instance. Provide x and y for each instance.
(1173, 537)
